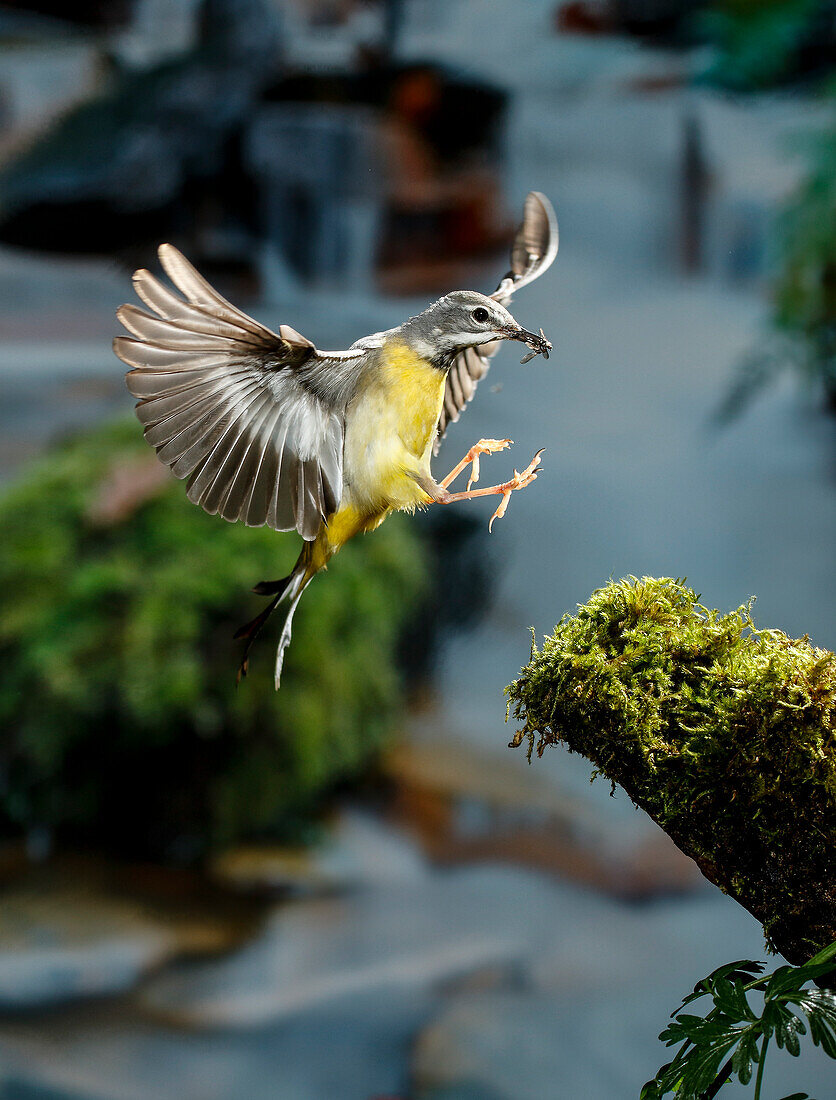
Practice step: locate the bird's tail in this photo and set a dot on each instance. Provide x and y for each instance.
(288, 592)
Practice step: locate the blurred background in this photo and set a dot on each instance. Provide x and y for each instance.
(352, 889)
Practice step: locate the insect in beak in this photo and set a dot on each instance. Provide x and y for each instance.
(539, 345)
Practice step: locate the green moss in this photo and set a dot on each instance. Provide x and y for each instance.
(724, 734)
(122, 722)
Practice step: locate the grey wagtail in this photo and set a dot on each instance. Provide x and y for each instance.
(270, 430)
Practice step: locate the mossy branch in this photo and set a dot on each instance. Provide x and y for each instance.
(723, 733)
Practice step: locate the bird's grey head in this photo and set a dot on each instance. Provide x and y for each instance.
(465, 319)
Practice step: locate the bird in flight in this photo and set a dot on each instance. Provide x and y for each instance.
(270, 430)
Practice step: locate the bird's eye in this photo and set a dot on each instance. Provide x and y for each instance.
(480, 314)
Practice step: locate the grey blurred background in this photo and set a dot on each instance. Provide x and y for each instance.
(461, 925)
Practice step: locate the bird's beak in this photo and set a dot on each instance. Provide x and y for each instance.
(537, 342)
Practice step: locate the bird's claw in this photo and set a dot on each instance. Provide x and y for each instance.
(483, 447)
(518, 481)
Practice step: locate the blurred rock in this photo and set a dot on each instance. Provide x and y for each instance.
(87, 182)
(389, 936)
(468, 803)
(74, 929)
(357, 850)
(475, 1048)
(353, 1051)
(511, 983)
(64, 945)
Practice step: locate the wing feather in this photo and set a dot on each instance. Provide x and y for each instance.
(257, 502)
(281, 488)
(226, 499)
(253, 418)
(207, 434)
(148, 384)
(170, 307)
(194, 440)
(177, 335)
(241, 480)
(208, 483)
(532, 253)
(196, 290)
(180, 412)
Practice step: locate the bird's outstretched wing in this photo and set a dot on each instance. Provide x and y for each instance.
(532, 253)
(252, 417)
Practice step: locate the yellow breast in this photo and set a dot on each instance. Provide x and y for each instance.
(416, 389)
(390, 431)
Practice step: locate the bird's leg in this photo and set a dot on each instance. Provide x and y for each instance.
(483, 447)
(518, 481)
(252, 629)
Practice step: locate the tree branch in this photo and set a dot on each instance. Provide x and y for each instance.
(724, 734)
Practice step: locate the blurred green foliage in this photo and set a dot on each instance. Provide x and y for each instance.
(805, 292)
(122, 725)
(758, 42)
(723, 733)
(802, 333)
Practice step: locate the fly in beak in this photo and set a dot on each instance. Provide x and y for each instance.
(538, 343)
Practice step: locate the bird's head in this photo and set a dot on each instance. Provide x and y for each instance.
(467, 319)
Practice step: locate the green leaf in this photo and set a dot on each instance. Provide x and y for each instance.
(711, 1029)
(651, 1090)
(771, 1016)
(785, 977)
(742, 970)
(700, 990)
(811, 971)
(672, 1035)
(794, 977)
(787, 1030)
(701, 1067)
(827, 954)
(819, 1001)
(707, 1041)
(670, 1074)
(819, 1008)
(746, 1053)
(731, 999)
